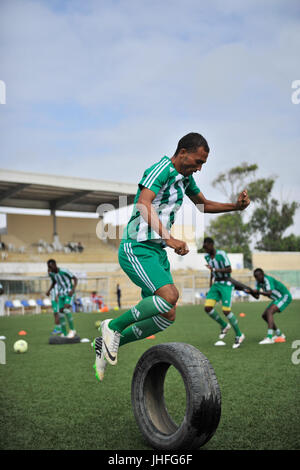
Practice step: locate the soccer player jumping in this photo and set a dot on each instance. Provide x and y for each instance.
(141, 253)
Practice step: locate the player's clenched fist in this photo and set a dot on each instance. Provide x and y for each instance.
(179, 246)
(243, 200)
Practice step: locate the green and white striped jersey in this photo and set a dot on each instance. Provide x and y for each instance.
(220, 260)
(169, 187)
(54, 293)
(271, 284)
(63, 280)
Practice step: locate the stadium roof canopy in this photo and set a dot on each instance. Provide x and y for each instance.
(39, 191)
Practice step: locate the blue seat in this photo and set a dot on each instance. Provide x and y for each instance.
(40, 302)
(25, 303)
(9, 304)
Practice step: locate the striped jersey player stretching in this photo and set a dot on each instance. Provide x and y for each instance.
(281, 297)
(142, 255)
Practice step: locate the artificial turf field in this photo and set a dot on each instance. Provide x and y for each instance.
(50, 398)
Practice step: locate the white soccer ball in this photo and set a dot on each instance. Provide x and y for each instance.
(20, 346)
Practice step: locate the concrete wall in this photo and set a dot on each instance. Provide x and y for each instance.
(276, 260)
(194, 260)
(40, 269)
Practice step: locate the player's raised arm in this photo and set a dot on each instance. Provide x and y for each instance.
(149, 214)
(215, 207)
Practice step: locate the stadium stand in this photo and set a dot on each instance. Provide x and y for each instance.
(30, 240)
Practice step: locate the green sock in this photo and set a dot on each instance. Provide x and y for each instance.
(69, 318)
(270, 333)
(63, 325)
(234, 323)
(217, 318)
(146, 308)
(143, 329)
(58, 328)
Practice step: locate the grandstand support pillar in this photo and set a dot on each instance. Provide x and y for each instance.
(53, 213)
(56, 242)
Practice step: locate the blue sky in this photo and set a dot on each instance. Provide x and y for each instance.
(94, 82)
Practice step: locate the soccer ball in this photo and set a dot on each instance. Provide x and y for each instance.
(20, 346)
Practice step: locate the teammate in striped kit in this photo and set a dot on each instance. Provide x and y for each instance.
(281, 298)
(66, 284)
(221, 290)
(141, 253)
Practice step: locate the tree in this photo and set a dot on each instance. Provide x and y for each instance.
(232, 234)
(268, 219)
(290, 243)
(229, 230)
(234, 180)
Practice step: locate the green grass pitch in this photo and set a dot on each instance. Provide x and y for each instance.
(50, 398)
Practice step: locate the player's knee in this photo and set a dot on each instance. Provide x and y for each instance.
(208, 309)
(171, 295)
(226, 312)
(171, 314)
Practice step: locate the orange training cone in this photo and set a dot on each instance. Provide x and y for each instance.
(242, 314)
(151, 337)
(22, 333)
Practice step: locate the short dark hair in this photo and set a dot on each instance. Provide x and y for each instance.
(51, 261)
(191, 142)
(208, 240)
(258, 270)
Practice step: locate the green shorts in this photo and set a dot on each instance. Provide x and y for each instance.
(54, 306)
(146, 264)
(282, 302)
(220, 291)
(64, 300)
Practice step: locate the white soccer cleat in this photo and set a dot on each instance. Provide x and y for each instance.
(238, 341)
(224, 331)
(111, 341)
(267, 340)
(71, 334)
(100, 362)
